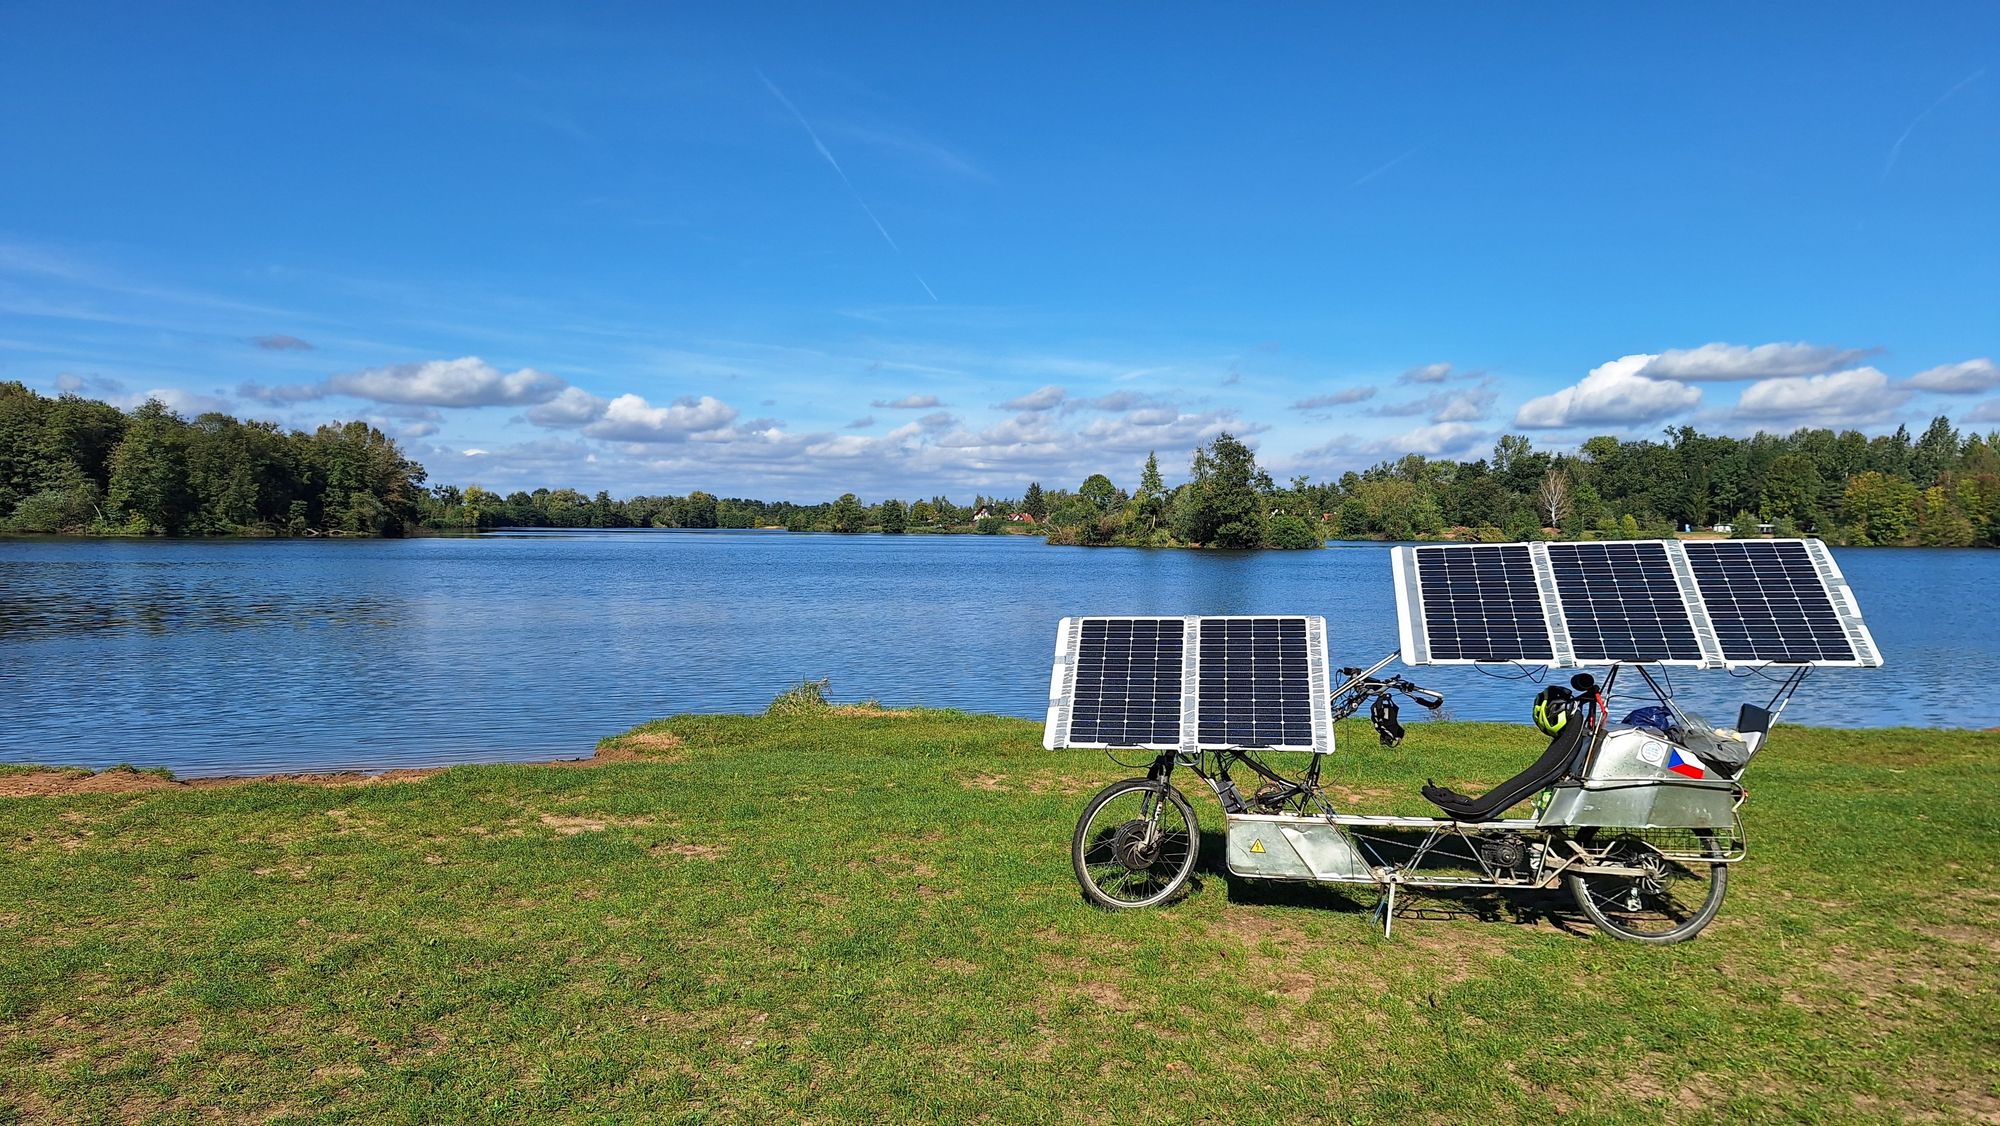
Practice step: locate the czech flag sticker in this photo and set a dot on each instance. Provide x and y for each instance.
(1685, 764)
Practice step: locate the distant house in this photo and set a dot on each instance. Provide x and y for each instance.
(1022, 518)
(982, 512)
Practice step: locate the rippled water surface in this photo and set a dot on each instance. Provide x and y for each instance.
(222, 657)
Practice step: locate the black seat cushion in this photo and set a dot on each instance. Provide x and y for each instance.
(1553, 764)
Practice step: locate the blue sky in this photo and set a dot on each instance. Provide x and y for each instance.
(790, 251)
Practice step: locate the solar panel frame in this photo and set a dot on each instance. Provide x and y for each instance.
(1263, 679)
(1711, 604)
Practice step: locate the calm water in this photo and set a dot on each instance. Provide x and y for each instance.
(219, 657)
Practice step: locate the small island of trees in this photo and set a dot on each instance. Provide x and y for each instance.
(79, 466)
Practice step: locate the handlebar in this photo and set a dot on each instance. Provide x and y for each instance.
(1428, 698)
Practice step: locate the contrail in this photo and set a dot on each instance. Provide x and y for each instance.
(1896, 149)
(1385, 167)
(842, 173)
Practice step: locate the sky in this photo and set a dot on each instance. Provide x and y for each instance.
(790, 251)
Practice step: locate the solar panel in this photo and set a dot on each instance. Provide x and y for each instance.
(1715, 604)
(1193, 683)
(1771, 602)
(1621, 602)
(1256, 683)
(1481, 603)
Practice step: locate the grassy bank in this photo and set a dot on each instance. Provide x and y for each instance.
(871, 917)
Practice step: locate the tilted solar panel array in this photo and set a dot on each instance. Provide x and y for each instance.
(1713, 604)
(1190, 683)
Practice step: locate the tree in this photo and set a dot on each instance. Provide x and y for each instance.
(1033, 503)
(1879, 509)
(149, 472)
(1552, 496)
(847, 514)
(1221, 506)
(1100, 492)
(1792, 489)
(892, 517)
(696, 510)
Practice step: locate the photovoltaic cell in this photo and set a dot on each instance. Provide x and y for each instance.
(1480, 603)
(1127, 687)
(1620, 602)
(1256, 682)
(1768, 602)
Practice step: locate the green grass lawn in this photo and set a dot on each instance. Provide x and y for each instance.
(871, 918)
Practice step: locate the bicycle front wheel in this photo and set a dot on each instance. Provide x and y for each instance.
(1135, 844)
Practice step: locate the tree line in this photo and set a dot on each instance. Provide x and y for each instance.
(77, 465)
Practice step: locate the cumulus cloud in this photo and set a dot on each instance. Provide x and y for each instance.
(908, 403)
(1426, 373)
(1613, 394)
(1851, 397)
(279, 342)
(1968, 377)
(1338, 398)
(465, 382)
(181, 402)
(572, 408)
(629, 418)
(1722, 363)
(1040, 399)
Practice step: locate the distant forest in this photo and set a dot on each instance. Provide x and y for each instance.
(76, 465)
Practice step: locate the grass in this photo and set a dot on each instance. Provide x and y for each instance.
(868, 916)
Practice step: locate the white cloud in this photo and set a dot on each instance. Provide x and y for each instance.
(465, 382)
(1967, 377)
(1426, 373)
(1613, 394)
(629, 418)
(1852, 397)
(574, 407)
(1338, 398)
(1717, 363)
(188, 404)
(1040, 399)
(862, 423)
(907, 403)
(1988, 411)
(1457, 440)
(281, 342)
(1469, 405)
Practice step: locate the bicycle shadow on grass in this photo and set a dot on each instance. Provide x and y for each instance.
(1527, 908)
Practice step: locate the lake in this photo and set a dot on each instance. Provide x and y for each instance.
(237, 656)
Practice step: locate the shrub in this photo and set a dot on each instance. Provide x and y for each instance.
(807, 697)
(1288, 531)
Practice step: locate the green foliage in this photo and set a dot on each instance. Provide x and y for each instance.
(1743, 526)
(1033, 503)
(1222, 505)
(892, 517)
(807, 697)
(990, 525)
(847, 515)
(1292, 532)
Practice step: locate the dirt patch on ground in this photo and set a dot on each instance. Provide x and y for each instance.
(992, 783)
(62, 782)
(58, 783)
(571, 826)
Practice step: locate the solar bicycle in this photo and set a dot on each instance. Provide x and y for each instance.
(1637, 816)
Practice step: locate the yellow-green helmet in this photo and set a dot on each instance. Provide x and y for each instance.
(1552, 708)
